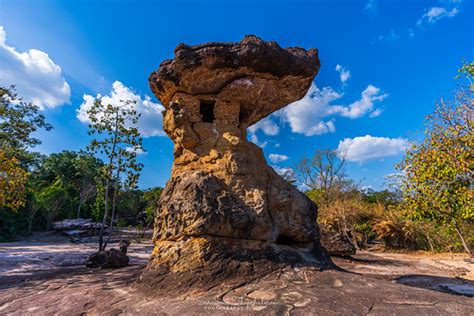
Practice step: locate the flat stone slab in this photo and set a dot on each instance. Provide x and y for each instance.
(296, 291)
(45, 286)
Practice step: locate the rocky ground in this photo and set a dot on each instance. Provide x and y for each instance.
(44, 275)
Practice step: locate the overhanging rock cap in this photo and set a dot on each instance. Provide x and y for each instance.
(263, 71)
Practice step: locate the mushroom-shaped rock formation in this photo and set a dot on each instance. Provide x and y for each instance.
(225, 213)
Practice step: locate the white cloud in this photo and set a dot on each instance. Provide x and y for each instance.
(363, 148)
(276, 158)
(285, 172)
(254, 139)
(314, 113)
(267, 126)
(37, 78)
(435, 14)
(306, 116)
(151, 120)
(375, 113)
(371, 7)
(343, 73)
(365, 105)
(137, 149)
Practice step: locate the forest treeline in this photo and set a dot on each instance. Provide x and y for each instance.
(64, 185)
(99, 182)
(428, 205)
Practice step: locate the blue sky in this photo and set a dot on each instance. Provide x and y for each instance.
(395, 59)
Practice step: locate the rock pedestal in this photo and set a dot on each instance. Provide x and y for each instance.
(225, 213)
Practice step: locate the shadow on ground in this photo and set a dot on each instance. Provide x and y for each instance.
(455, 286)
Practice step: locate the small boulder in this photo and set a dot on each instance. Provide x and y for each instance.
(112, 258)
(337, 244)
(123, 245)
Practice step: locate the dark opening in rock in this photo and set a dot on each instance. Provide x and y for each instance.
(285, 240)
(242, 114)
(207, 111)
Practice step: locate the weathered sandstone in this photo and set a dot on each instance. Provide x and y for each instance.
(224, 212)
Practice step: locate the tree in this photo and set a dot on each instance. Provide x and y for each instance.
(384, 197)
(58, 166)
(87, 168)
(18, 120)
(32, 207)
(323, 174)
(467, 71)
(329, 187)
(152, 198)
(438, 171)
(12, 182)
(51, 199)
(78, 173)
(119, 141)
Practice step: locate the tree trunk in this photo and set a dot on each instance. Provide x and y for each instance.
(114, 199)
(430, 242)
(79, 208)
(30, 223)
(109, 171)
(464, 244)
(31, 218)
(104, 219)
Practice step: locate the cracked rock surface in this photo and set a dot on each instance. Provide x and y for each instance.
(225, 213)
(47, 278)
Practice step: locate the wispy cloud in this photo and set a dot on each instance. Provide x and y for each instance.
(434, 14)
(371, 7)
(277, 158)
(344, 74)
(254, 139)
(390, 36)
(445, 9)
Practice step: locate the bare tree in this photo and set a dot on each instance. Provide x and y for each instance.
(323, 172)
(328, 185)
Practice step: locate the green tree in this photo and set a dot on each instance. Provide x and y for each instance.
(32, 207)
(87, 170)
(78, 173)
(385, 197)
(19, 119)
(467, 71)
(51, 198)
(152, 198)
(118, 139)
(438, 179)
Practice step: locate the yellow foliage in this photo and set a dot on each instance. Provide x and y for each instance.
(12, 182)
